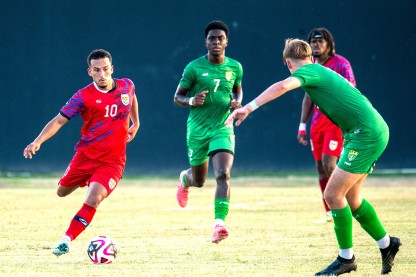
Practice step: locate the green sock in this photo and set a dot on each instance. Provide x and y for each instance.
(343, 227)
(368, 219)
(221, 208)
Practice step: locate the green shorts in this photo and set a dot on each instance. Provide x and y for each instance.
(199, 150)
(361, 151)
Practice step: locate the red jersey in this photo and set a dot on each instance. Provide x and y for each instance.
(342, 66)
(106, 120)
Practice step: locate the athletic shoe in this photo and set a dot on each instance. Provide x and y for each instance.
(327, 218)
(182, 192)
(338, 267)
(220, 233)
(62, 247)
(388, 254)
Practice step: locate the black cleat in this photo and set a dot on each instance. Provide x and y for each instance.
(338, 267)
(388, 254)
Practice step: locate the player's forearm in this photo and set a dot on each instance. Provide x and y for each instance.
(182, 100)
(134, 112)
(51, 129)
(271, 93)
(307, 106)
(237, 94)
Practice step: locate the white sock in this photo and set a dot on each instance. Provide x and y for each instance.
(218, 221)
(346, 253)
(384, 242)
(66, 237)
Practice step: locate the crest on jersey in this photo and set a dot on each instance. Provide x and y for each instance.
(352, 155)
(125, 99)
(228, 75)
(112, 184)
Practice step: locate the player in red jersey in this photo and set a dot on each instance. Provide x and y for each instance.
(326, 138)
(106, 106)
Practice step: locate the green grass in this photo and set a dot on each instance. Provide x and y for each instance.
(272, 228)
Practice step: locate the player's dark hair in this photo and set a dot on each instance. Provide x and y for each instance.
(216, 24)
(99, 54)
(325, 34)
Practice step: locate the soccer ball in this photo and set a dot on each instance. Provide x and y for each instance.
(102, 250)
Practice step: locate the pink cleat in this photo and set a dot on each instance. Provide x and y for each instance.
(182, 192)
(220, 233)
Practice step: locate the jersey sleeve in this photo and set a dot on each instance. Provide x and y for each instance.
(239, 77)
(187, 77)
(74, 106)
(129, 86)
(347, 73)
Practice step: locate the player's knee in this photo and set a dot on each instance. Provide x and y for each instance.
(94, 201)
(329, 168)
(198, 182)
(222, 175)
(332, 198)
(63, 191)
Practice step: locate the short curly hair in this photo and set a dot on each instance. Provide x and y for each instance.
(216, 24)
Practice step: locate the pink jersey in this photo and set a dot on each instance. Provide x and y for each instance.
(342, 66)
(106, 120)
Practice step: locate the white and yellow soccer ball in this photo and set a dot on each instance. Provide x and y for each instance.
(102, 250)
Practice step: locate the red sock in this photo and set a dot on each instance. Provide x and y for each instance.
(322, 184)
(80, 221)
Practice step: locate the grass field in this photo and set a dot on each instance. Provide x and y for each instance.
(272, 222)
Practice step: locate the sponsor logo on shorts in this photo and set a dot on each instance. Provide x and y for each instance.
(228, 75)
(333, 144)
(352, 155)
(125, 99)
(112, 184)
(204, 74)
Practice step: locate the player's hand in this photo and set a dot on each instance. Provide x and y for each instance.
(131, 133)
(199, 98)
(31, 150)
(302, 137)
(235, 105)
(239, 114)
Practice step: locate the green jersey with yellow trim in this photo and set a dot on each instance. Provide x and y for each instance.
(339, 100)
(218, 80)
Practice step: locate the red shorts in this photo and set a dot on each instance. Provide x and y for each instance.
(328, 142)
(83, 170)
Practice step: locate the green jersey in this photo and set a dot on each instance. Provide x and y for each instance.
(339, 100)
(219, 79)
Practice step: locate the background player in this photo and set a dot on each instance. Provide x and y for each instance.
(211, 86)
(106, 106)
(326, 138)
(366, 136)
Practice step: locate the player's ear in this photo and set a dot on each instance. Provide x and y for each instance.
(89, 71)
